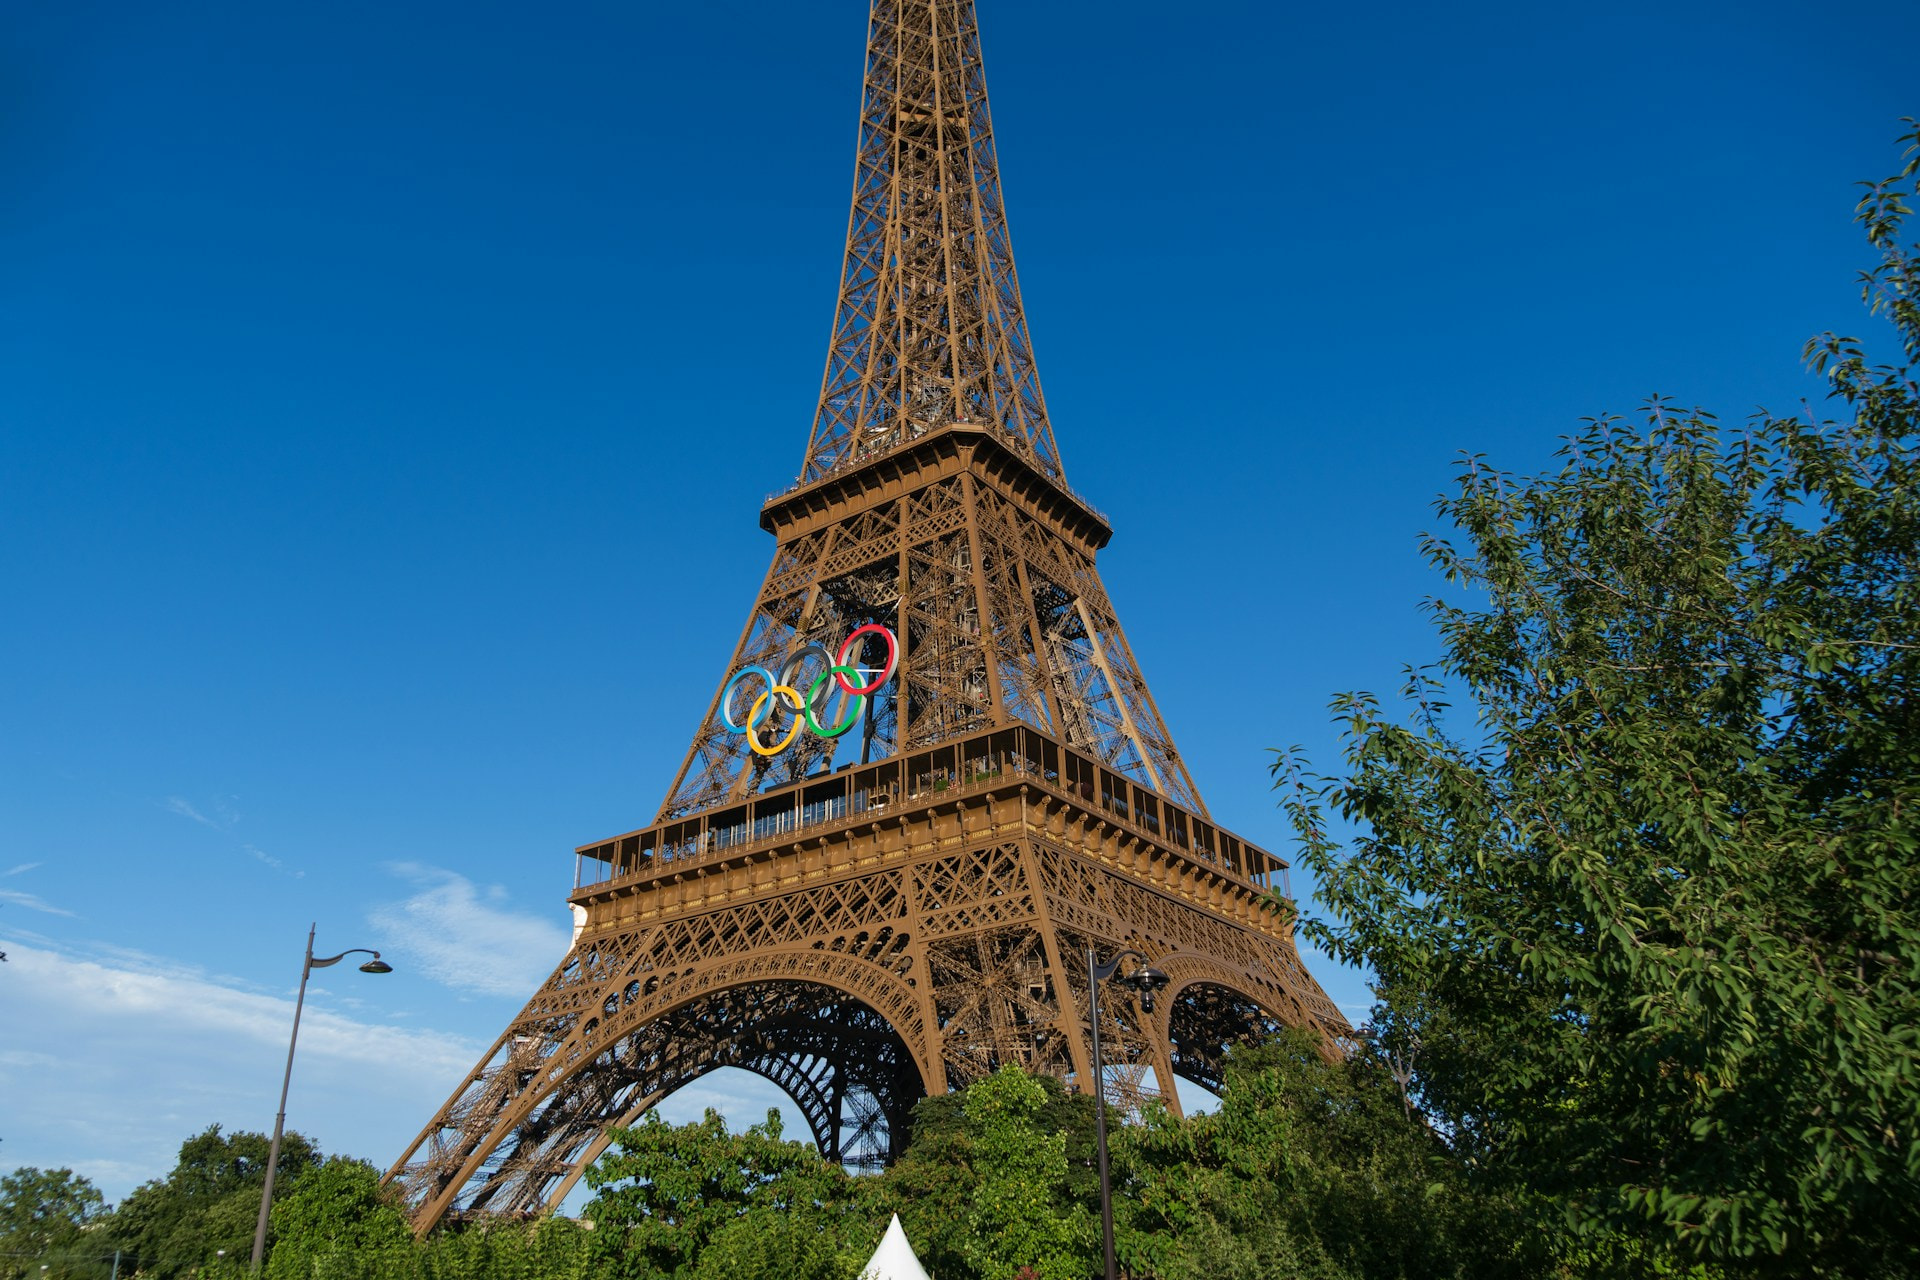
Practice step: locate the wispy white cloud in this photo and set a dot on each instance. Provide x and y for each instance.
(32, 902)
(468, 940)
(129, 1055)
(179, 805)
(23, 868)
(225, 818)
(26, 1058)
(261, 855)
(191, 1000)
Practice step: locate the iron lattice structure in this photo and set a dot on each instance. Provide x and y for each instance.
(897, 911)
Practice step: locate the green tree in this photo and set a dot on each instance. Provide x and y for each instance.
(337, 1222)
(44, 1216)
(209, 1203)
(1308, 1168)
(1022, 1215)
(767, 1244)
(933, 1185)
(665, 1193)
(1646, 931)
(541, 1248)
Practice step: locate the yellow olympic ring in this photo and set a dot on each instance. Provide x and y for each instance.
(753, 717)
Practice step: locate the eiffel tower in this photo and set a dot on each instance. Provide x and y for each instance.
(932, 776)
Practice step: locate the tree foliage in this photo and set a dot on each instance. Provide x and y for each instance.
(1309, 1168)
(44, 1214)
(337, 1223)
(210, 1202)
(935, 1186)
(670, 1195)
(1022, 1215)
(1646, 930)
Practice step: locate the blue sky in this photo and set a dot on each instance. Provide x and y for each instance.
(387, 394)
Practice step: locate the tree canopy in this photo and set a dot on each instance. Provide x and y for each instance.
(208, 1205)
(336, 1210)
(1309, 1169)
(695, 1200)
(1645, 929)
(44, 1214)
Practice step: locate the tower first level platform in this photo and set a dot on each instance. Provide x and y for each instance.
(866, 937)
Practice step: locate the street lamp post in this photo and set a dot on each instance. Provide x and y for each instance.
(1144, 980)
(375, 965)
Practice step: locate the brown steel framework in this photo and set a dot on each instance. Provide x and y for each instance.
(867, 919)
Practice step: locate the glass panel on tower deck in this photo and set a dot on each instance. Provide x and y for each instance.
(1203, 840)
(680, 840)
(1079, 776)
(775, 816)
(1010, 751)
(722, 830)
(1147, 808)
(824, 802)
(592, 866)
(1049, 759)
(932, 772)
(982, 766)
(877, 786)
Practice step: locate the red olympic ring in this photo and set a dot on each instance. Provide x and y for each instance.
(886, 672)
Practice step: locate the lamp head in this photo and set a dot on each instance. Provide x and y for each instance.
(1146, 980)
(376, 965)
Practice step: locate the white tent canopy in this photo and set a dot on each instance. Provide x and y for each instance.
(894, 1259)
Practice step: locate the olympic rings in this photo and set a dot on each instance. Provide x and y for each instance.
(838, 672)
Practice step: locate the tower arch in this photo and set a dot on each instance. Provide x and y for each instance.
(541, 1106)
(1206, 1017)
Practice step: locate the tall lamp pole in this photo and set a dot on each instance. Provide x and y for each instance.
(1144, 980)
(375, 965)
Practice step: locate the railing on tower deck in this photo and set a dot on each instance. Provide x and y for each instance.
(859, 453)
(862, 793)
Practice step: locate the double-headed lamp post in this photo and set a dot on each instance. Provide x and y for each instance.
(1144, 980)
(375, 965)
